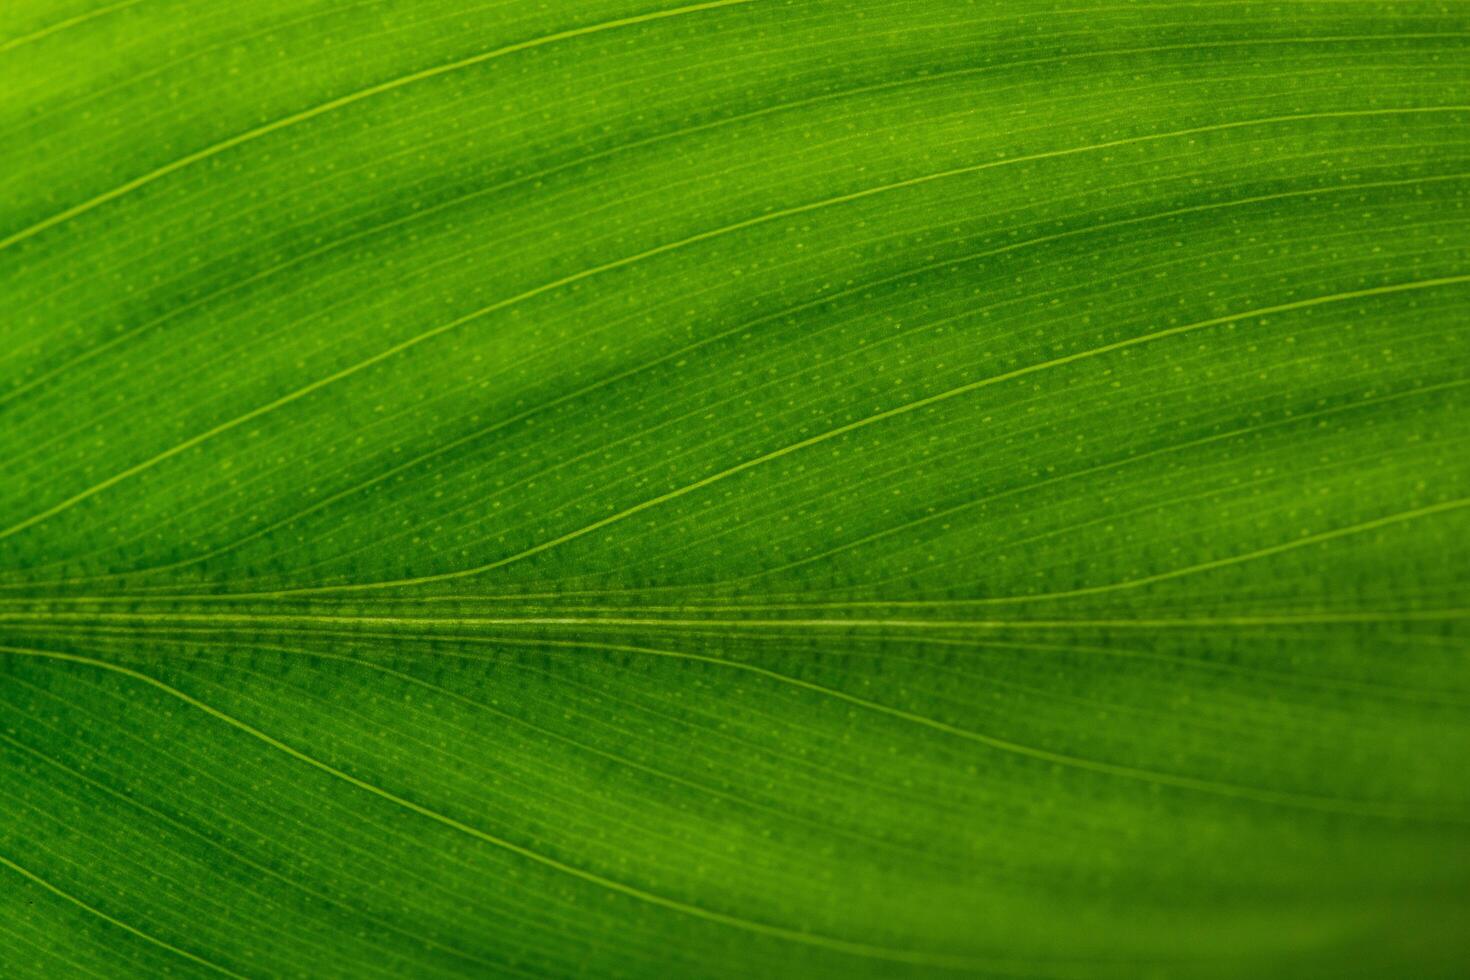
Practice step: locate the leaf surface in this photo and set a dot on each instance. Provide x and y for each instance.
(739, 489)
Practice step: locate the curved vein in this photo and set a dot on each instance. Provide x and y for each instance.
(675, 134)
(740, 327)
(900, 410)
(62, 25)
(341, 102)
(153, 940)
(829, 943)
(668, 247)
(239, 855)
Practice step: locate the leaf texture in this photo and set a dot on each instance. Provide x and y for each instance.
(891, 488)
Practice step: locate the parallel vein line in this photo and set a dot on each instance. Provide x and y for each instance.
(1111, 465)
(671, 135)
(62, 25)
(626, 261)
(1304, 541)
(306, 620)
(239, 855)
(154, 940)
(895, 412)
(343, 101)
(1363, 808)
(747, 925)
(500, 424)
(614, 757)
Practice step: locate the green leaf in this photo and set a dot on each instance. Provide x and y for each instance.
(890, 488)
